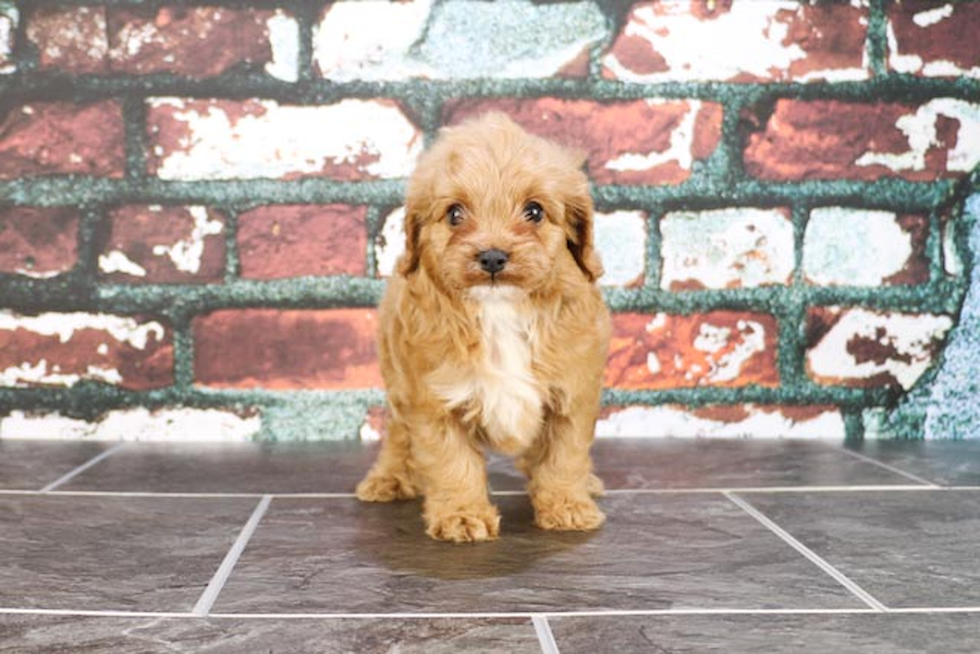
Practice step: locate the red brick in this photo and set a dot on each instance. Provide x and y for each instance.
(192, 41)
(720, 348)
(63, 138)
(60, 349)
(664, 41)
(295, 240)
(38, 242)
(291, 349)
(829, 139)
(934, 38)
(156, 244)
(229, 139)
(642, 130)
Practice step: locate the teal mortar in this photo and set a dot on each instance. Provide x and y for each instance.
(716, 183)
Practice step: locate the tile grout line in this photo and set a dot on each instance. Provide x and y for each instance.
(812, 556)
(506, 493)
(210, 594)
(585, 613)
(881, 464)
(82, 468)
(545, 638)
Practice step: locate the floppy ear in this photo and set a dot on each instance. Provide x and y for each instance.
(579, 219)
(409, 261)
(416, 201)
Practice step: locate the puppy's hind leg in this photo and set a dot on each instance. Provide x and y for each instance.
(391, 478)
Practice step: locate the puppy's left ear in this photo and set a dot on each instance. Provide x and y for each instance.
(579, 218)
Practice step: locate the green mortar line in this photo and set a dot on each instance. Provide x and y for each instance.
(698, 193)
(233, 264)
(800, 216)
(853, 427)
(373, 225)
(876, 43)
(134, 118)
(790, 347)
(653, 260)
(306, 15)
(934, 248)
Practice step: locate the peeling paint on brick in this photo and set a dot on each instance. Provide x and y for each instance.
(753, 421)
(860, 247)
(726, 248)
(9, 19)
(920, 129)
(741, 41)
(858, 347)
(831, 139)
(284, 39)
(621, 239)
(720, 348)
(171, 425)
(463, 39)
(934, 40)
(649, 141)
(158, 244)
(390, 242)
(61, 349)
(201, 139)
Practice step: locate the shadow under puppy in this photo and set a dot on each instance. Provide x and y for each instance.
(493, 333)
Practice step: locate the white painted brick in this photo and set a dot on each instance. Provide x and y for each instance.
(726, 248)
(681, 422)
(621, 239)
(854, 247)
(452, 40)
(138, 424)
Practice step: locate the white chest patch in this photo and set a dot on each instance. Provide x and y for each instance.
(500, 383)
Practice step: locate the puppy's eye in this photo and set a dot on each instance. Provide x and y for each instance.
(533, 212)
(455, 214)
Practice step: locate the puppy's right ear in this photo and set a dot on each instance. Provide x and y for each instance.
(409, 261)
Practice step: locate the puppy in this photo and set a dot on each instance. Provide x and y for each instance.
(493, 334)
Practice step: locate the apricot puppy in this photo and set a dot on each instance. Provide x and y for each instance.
(493, 334)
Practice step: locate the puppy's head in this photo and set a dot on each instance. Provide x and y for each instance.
(490, 204)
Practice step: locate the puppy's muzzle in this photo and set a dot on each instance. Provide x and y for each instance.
(492, 261)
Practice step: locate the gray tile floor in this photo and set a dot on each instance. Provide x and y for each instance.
(728, 546)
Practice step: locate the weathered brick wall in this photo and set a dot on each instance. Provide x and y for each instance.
(199, 201)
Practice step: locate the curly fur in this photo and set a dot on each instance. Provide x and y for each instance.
(511, 361)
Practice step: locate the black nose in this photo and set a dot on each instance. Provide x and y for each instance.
(492, 261)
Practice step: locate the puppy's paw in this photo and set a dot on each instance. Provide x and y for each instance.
(595, 486)
(385, 488)
(566, 513)
(466, 526)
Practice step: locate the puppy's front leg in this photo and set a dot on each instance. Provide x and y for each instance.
(560, 469)
(454, 480)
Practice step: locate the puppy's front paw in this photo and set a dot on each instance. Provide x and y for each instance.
(464, 526)
(566, 513)
(384, 488)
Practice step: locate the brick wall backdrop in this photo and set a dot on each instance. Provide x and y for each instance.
(199, 203)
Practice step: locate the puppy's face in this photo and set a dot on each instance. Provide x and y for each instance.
(491, 205)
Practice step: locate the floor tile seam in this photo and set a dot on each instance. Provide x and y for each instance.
(502, 615)
(210, 595)
(883, 465)
(609, 492)
(95, 460)
(546, 639)
(809, 554)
